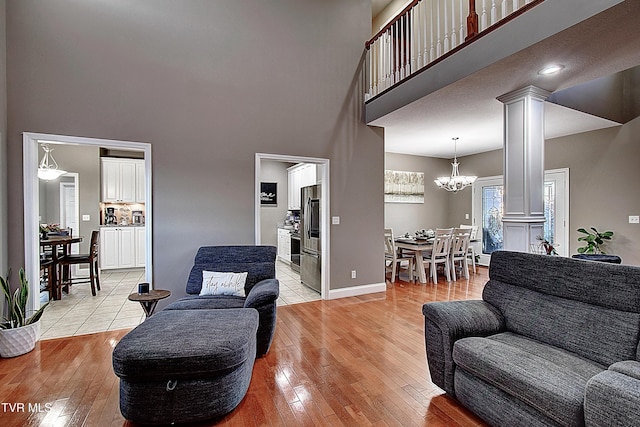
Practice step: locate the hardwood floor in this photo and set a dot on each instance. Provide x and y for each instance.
(346, 362)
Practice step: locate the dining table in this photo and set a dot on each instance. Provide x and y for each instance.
(54, 242)
(418, 246)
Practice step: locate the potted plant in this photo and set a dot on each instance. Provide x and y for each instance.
(593, 240)
(545, 247)
(18, 332)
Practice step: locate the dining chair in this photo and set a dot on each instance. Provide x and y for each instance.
(395, 258)
(47, 270)
(440, 253)
(471, 252)
(90, 258)
(460, 251)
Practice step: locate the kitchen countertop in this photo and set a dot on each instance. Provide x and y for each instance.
(121, 226)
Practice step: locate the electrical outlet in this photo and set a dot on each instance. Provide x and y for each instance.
(466, 216)
(86, 217)
(353, 274)
(634, 219)
(335, 220)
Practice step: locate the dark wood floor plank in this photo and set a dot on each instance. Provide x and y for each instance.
(353, 361)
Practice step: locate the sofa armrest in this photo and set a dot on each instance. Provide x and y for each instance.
(447, 322)
(612, 397)
(264, 292)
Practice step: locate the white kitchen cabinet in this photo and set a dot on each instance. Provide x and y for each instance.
(284, 245)
(120, 248)
(301, 175)
(119, 180)
(140, 246)
(109, 248)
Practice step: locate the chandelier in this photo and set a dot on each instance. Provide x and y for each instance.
(48, 169)
(455, 182)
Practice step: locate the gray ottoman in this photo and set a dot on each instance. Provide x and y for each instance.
(186, 365)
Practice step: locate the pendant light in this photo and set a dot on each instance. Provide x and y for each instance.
(48, 169)
(455, 182)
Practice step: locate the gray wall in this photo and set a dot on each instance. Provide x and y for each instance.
(270, 216)
(208, 84)
(3, 140)
(433, 213)
(603, 176)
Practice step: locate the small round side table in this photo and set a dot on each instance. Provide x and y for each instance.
(149, 300)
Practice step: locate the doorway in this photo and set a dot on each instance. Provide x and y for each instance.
(70, 212)
(323, 179)
(31, 199)
(488, 208)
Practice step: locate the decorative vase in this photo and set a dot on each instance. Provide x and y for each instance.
(18, 341)
(44, 235)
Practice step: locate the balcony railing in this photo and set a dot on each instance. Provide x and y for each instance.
(427, 31)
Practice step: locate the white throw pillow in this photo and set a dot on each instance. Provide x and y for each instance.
(216, 283)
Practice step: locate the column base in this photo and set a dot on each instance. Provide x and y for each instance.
(520, 235)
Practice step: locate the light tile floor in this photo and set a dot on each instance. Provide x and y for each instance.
(291, 290)
(79, 312)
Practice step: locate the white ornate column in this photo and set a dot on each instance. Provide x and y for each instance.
(523, 218)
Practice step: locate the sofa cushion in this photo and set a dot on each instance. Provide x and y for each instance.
(549, 379)
(606, 285)
(187, 344)
(601, 334)
(256, 272)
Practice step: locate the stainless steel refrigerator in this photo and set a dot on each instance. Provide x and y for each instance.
(310, 248)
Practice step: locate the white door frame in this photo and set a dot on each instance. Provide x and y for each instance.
(563, 193)
(324, 200)
(31, 200)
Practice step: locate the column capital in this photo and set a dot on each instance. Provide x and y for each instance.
(528, 91)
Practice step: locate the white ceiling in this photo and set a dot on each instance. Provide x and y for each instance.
(468, 109)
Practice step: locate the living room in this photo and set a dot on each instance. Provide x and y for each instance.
(200, 96)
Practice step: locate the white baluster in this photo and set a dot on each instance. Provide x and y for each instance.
(375, 67)
(505, 12)
(406, 45)
(516, 5)
(483, 16)
(454, 30)
(369, 72)
(415, 38)
(431, 26)
(494, 12)
(462, 20)
(417, 31)
(439, 43)
(446, 27)
(396, 59)
(387, 60)
(400, 43)
(426, 15)
(403, 46)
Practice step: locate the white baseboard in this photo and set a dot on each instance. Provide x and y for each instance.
(357, 290)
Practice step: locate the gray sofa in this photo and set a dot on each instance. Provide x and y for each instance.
(554, 341)
(261, 288)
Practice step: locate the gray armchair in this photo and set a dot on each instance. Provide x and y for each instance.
(554, 341)
(261, 288)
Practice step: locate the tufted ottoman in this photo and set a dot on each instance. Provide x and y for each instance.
(186, 365)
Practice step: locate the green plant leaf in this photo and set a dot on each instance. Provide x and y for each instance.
(582, 230)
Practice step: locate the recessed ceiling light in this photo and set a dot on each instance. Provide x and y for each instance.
(550, 69)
